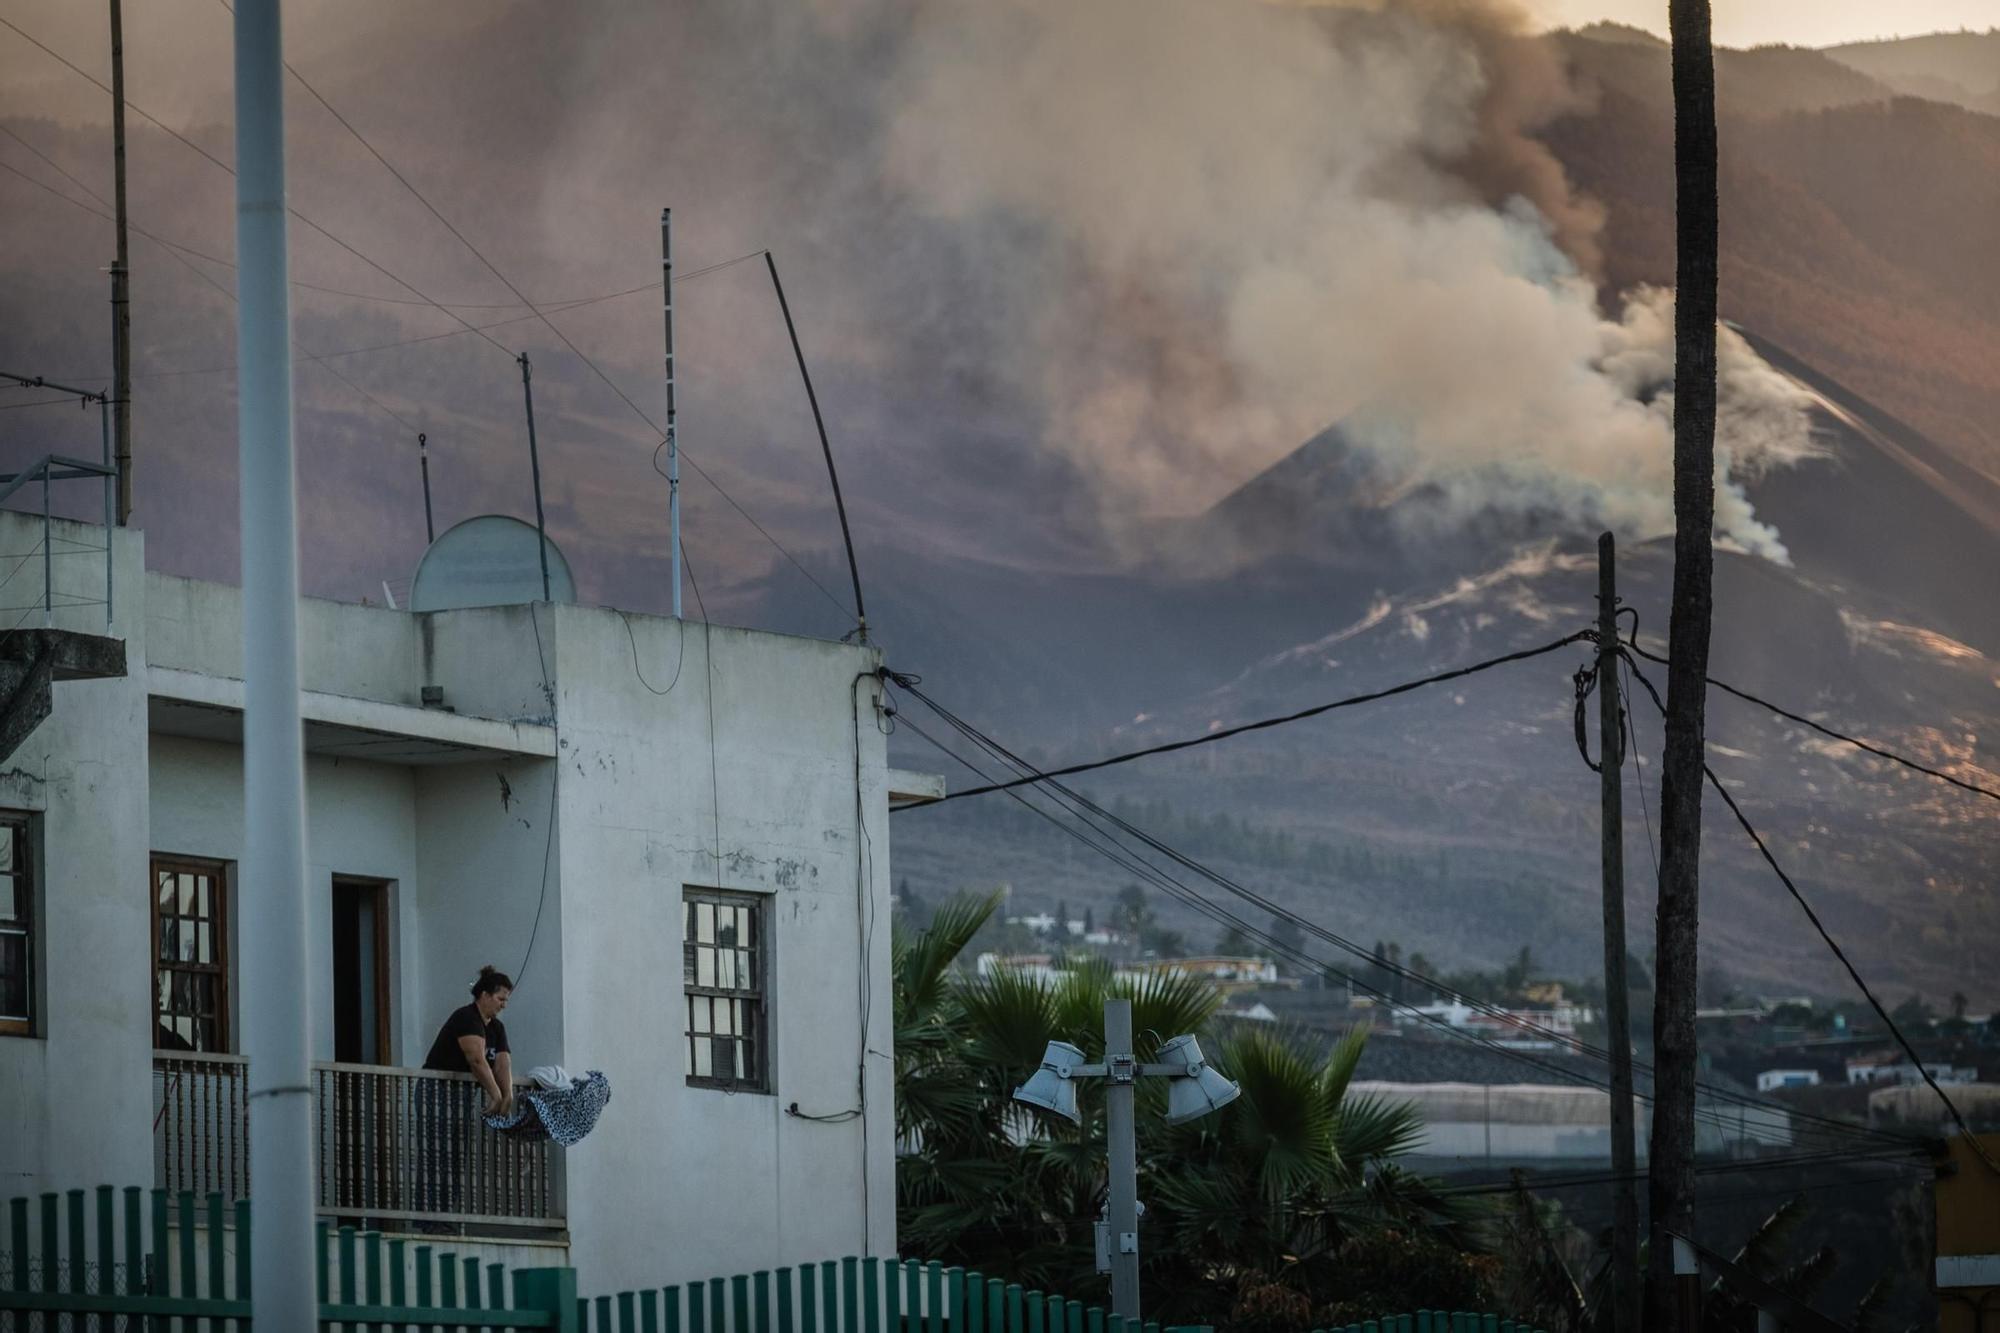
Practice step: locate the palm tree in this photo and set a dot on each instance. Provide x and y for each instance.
(1266, 1191)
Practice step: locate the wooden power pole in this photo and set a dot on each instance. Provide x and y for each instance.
(121, 277)
(1617, 1014)
(1670, 1175)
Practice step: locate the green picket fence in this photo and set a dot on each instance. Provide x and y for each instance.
(154, 1261)
(149, 1260)
(1435, 1321)
(851, 1295)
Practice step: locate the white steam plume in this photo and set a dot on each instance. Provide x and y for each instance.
(1245, 222)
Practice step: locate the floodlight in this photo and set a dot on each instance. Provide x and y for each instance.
(1195, 1089)
(1049, 1088)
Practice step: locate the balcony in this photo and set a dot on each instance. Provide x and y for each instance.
(395, 1147)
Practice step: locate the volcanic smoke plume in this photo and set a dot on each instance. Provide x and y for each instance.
(1235, 224)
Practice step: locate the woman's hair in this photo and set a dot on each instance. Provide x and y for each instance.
(491, 979)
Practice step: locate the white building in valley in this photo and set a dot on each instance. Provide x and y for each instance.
(677, 839)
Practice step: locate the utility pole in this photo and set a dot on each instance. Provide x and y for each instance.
(1617, 1016)
(535, 463)
(1122, 1152)
(673, 436)
(424, 462)
(1670, 1169)
(121, 275)
(276, 973)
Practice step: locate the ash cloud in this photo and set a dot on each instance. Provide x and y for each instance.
(1251, 221)
(1062, 269)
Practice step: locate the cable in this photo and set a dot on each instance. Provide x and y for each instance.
(1181, 892)
(1834, 945)
(224, 166)
(680, 648)
(44, 402)
(1227, 732)
(689, 460)
(555, 787)
(1638, 769)
(1824, 730)
(1578, 1046)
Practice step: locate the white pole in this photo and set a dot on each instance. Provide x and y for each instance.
(273, 951)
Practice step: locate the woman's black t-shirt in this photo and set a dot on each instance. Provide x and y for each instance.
(445, 1055)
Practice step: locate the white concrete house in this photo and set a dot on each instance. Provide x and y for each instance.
(686, 870)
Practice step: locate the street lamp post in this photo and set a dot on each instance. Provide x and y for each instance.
(1195, 1090)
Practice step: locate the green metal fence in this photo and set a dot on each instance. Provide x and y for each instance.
(116, 1259)
(147, 1259)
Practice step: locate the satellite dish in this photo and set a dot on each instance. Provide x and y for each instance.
(491, 560)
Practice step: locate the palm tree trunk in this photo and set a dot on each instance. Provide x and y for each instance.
(1671, 1174)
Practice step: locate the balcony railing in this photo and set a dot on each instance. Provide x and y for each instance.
(393, 1145)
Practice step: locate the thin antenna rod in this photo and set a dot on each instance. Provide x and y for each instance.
(121, 276)
(673, 438)
(424, 460)
(535, 462)
(853, 570)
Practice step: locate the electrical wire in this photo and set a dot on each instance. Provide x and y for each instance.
(1033, 776)
(1277, 912)
(1870, 747)
(555, 788)
(1188, 896)
(680, 648)
(1832, 944)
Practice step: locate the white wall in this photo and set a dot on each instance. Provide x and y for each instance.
(361, 820)
(479, 879)
(75, 1100)
(682, 1182)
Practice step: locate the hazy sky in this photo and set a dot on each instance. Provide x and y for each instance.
(1795, 22)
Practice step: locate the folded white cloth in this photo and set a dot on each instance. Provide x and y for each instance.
(554, 1077)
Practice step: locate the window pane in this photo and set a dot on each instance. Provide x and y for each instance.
(687, 964)
(201, 896)
(163, 881)
(167, 946)
(13, 901)
(698, 1015)
(201, 953)
(725, 968)
(704, 967)
(14, 976)
(8, 836)
(722, 1024)
(704, 922)
(703, 1064)
(739, 1058)
(187, 894)
(745, 978)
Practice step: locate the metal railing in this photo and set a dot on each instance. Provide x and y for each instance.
(53, 467)
(393, 1145)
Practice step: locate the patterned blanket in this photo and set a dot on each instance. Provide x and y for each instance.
(562, 1114)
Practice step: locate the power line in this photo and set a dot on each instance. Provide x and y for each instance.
(1824, 730)
(1185, 894)
(226, 167)
(993, 747)
(1209, 738)
(539, 313)
(1831, 943)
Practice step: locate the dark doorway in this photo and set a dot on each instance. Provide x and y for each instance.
(360, 971)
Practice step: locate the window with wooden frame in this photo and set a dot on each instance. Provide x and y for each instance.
(190, 955)
(17, 926)
(725, 960)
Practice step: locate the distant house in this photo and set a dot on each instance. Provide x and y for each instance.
(1772, 1079)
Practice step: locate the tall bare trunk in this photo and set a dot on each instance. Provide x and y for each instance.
(1671, 1174)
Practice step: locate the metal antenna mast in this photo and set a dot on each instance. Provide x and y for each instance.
(673, 439)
